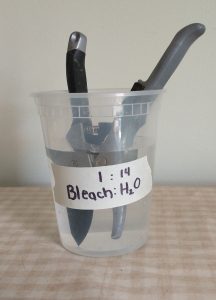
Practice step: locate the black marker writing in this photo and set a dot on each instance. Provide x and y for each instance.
(125, 171)
(137, 183)
(100, 176)
(75, 193)
(125, 188)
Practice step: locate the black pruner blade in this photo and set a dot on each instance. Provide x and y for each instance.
(80, 222)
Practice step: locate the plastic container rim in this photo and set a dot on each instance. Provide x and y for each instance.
(99, 93)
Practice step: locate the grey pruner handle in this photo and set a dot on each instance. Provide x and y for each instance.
(173, 55)
(119, 215)
(157, 80)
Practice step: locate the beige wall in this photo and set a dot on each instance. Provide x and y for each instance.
(125, 40)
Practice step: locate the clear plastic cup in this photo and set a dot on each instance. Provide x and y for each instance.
(100, 148)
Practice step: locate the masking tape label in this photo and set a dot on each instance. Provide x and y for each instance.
(102, 187)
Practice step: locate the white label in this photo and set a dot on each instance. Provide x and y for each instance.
(102, 187)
